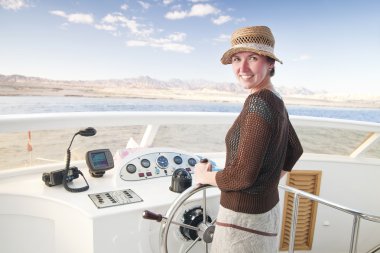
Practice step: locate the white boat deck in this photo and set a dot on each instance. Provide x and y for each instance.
(50, 219)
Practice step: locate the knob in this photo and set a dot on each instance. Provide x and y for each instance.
(204, 160)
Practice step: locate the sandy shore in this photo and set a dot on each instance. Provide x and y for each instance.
(179, 94)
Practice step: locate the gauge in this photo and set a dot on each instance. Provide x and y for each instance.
(192, 161)
(177, 159)
(131, 168)
(162, 162)
(145, 163)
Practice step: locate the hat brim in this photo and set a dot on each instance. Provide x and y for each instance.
(227, 56)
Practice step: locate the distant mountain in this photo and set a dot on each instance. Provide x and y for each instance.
(147, 87)
(142, 82)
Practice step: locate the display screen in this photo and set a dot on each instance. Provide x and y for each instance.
(99, 160)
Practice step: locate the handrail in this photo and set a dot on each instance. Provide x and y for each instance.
(374, 249)
(356, 213)
(51, 121)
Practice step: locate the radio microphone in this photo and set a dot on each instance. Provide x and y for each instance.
(71, 173)
(89, 131)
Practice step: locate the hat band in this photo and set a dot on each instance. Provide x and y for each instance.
(256, 46)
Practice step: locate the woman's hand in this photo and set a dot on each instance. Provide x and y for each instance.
(203, 174)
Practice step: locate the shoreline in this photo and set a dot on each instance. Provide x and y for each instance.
(221, 97)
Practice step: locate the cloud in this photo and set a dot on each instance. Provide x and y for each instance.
(197, 10)
(176, 47)
(124, 7)
(145, 5)
(137, 43)
(223, 38)
(139, 34)
(77, 18)
(170, 43)
(240, 20)
(177, 36)
(176, 15)
(303, 57)
(13, 4)
(119, 20)
(200, 10)
(166, 2)
(105, 27)
(221, 20)
(58, 13)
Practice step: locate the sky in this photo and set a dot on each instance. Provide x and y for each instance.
(330, 45)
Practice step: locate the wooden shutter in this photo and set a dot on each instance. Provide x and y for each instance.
(308, 181)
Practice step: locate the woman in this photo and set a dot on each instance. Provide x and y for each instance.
(261, 146)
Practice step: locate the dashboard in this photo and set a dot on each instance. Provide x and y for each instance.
(153, 163)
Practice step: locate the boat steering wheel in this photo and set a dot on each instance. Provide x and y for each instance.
(200, 229)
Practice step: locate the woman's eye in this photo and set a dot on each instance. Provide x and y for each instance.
(253, 58)
(235, 59)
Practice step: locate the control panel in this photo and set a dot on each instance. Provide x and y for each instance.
(114, 198)
(152, 164)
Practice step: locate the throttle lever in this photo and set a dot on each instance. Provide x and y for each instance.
(204, 160)
(152, 216)
(149, 215)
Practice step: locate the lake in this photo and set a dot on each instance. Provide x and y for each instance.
(46, 104)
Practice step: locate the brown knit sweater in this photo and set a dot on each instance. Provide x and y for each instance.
(259, 144)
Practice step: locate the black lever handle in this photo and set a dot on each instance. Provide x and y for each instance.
(204, 160)
(152, 216)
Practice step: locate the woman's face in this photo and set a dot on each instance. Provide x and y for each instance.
(252, 70)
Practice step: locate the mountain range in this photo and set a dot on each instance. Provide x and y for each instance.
(147, 87)
(142, 82)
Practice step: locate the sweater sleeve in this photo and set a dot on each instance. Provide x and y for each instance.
(253, 142)
(294, 149)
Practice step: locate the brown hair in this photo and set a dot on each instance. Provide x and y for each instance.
(271, 60)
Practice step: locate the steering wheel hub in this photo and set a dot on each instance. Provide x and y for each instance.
(194, 218)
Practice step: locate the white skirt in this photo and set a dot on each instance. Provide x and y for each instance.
(246, 233)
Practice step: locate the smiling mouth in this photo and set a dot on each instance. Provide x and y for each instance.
(246, 77)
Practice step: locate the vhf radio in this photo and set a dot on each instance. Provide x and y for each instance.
(54, 178)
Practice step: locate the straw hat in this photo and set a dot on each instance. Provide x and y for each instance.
(257, 39)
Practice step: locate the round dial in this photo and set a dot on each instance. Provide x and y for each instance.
(131, 168)
(177, 159)
(162, 162)
(145, 163)
(192, 161)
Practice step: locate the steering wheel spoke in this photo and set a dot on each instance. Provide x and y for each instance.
(204, 200)
(185, 226)
(192, 244)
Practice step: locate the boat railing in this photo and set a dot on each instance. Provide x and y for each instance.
(357, 216)
(374, 249)
(153, 120)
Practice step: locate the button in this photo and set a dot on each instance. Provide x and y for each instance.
(141, 174)
(149, 174)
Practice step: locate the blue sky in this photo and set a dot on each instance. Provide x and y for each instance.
(331, 45)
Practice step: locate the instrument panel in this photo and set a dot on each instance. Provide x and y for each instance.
(153, 164)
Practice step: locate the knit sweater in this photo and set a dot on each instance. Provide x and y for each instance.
(259, 145)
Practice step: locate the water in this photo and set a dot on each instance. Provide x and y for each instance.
(29, 104)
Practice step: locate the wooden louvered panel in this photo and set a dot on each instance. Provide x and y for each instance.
(308, 181)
